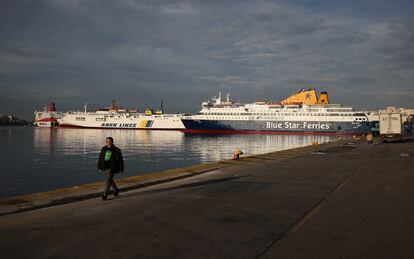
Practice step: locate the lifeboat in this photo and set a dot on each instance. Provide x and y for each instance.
(260, 102)
(274, 105)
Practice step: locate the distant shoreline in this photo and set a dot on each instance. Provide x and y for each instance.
(10, 120)
(29, 125)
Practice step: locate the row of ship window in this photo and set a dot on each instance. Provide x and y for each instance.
(283, 114)
(360, 119)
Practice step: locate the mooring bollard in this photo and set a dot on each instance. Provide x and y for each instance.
(370, 138)
(236, 154)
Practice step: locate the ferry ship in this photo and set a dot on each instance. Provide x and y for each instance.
(48, 117)
(302, 113)
(120, 118)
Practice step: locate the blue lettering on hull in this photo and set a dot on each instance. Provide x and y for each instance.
(279, 126)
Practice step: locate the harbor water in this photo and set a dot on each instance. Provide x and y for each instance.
(41, 159)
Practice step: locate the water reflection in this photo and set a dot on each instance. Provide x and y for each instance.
(147, 145)
(214, 148)
(89, 141)
(40, 159)
(44, 140)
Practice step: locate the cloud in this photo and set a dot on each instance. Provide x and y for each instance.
(185, 51)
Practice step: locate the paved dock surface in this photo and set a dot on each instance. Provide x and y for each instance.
(344, 201)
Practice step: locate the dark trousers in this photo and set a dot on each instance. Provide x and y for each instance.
(110, 182)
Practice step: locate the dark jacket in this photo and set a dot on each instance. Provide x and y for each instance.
(116, 162)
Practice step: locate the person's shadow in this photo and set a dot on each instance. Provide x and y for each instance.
(184, 186)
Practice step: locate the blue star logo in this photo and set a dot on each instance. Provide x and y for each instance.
(308, 96)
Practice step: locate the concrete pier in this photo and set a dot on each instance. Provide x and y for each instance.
(340, 200)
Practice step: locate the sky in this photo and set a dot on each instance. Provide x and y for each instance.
(184, 52)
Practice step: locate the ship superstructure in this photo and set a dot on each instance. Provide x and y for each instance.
(303, 112)
(120, 118)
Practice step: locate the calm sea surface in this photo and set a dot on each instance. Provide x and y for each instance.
(39, 159)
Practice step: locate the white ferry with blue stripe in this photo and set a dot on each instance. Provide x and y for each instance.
(302, 113)
(120, 118)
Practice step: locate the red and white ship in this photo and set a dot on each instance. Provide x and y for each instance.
(48, 117)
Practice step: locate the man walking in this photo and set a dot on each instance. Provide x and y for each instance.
(111, 162)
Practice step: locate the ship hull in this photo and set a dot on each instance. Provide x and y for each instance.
(65, 125)
(274, 127)
(115, 122)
